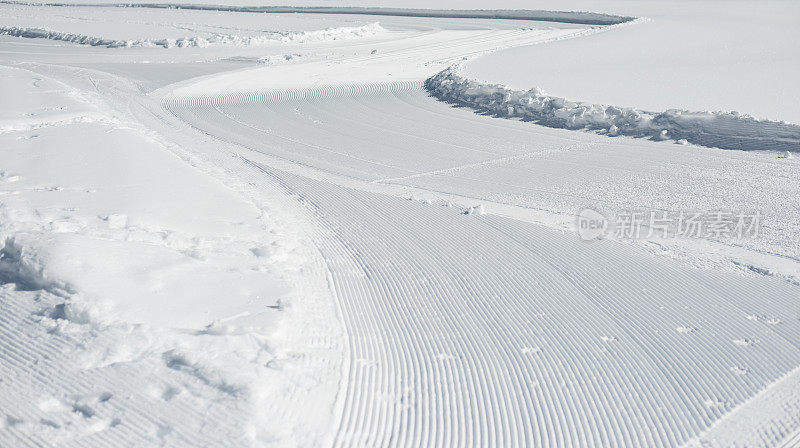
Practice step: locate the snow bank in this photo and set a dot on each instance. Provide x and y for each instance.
(581, 17)
(588, 18)
(221, 40)
(728, 130)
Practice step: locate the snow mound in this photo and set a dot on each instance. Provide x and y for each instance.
(21, 266)
(727, 130)
(340, 33)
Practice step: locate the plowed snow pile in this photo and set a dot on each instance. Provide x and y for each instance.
(221, 39)
(167, 28)
(727, 130)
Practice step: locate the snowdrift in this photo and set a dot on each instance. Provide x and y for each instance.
(198, 41)
(727, 130)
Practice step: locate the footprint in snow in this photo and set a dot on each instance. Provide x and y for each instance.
(169, 393)
(49, 423)
(12, 421)
(685, 330)
(83, 409)
(743, 342)
(261, 251)
(115, 220)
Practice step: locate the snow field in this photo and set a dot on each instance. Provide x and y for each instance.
(155, 299)
(767, 419)
(470, 352)
(480, 352)
(692, 56)
(331, 258)
(449, 155)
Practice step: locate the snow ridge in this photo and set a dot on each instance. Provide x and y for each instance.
(727, 130)
(221, 40)
(581, 17)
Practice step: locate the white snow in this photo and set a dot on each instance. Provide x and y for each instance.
(137, 282)
(728, 130)
(767, 419)
(227, 39)
(701, 55)
(215, 245)
(147, 25)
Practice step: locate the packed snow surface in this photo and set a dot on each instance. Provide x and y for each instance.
(693, 55)
(295, 244)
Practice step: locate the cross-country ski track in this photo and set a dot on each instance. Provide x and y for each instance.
(467, 328)
(477, 330)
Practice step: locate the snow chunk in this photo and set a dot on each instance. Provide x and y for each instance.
(476, 210)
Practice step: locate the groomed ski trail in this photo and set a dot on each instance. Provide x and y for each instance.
(480, 330)
(476, 329)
